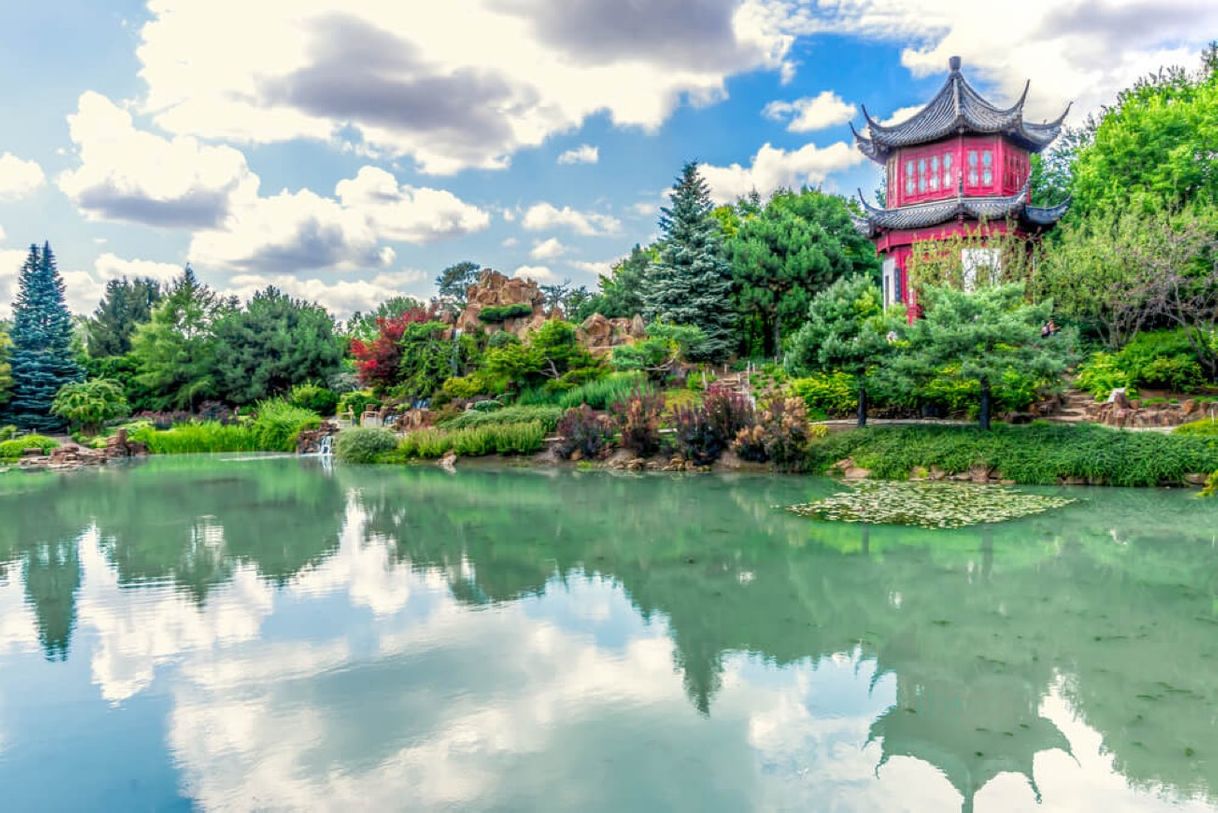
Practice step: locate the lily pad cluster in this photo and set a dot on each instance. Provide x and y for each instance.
(928, 505)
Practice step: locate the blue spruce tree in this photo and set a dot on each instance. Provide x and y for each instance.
(41, 356)
(691, 283)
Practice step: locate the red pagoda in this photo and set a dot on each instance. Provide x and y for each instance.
(960, 165)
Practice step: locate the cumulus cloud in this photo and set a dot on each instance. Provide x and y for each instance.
(341, 297)
(1081, 52)
(465, 85)
(134, 175)
(110, 266)
(18, 177)
(302, 230)
(541, 216)
(583, 154)
(540, 273)
(811, 112)
(775, 168)
(547, 249)
(597, 267)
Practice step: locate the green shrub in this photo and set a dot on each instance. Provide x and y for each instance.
(1204, 428)
(7, 432)
(505, 439)
(833, 394)
(278, 423)
(584, 431)
(197, 438)
(501, 313)
(1101, 374)
(87, 405)
(601, 393)
(1175, 373)
(11, 449)
(356, 402)
(364, 444)
(1038, 454)
(1211, 485)
(545, 415)
(315, 398)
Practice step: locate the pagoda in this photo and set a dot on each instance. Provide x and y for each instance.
(959, 166)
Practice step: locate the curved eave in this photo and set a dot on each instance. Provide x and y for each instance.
(1044, 216)
(924, 215)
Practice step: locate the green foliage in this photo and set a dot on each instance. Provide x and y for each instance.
(1210, 489)
(545, 415)
(1204, 428)
(11, 450)
(175, 352)
(364, 326)
(1101, 374)
(690, 283)
(780, 435)
(551, 352)
(315, 398)
(584, 431)
(1039, 454)
(275, 341)
(41, 357)
(124, 305)
(979, 337)
(665, 346)
(364, 445)
(833, 394)
(428, 359)
(205, 437)
(501, 313)
(1154, 147)
(8, 432)
(783, 254)
(471, 386)
(6, 370)
(356, 402)
(638, 418)
(603, 392)
(454, 281)
(621, 292)
(278, 423)
(505, 439)
(88, 405)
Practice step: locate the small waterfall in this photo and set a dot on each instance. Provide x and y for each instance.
(326, 448)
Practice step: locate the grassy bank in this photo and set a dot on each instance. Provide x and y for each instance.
(1039, 454)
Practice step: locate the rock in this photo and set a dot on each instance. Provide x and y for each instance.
(856, 473)
(448, 462)
(1119, 397)
(1196, 479)
(495, 290)
(979, 474)
(309, 440)
(1072, 481)
(31, 452)
(600, 334)
(1006, 482)
(937, 473)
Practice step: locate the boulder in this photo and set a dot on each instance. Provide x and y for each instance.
(601, 334)
(496, 290)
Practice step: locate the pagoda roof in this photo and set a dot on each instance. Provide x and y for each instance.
(990, 208)
(957, 108)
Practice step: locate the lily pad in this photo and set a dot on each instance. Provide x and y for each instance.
(928, 505)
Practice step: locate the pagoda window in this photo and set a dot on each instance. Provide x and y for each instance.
(921, 176)
(972, 167)
(909, 177)
(987, 168)
(934, 172)
(947, 170)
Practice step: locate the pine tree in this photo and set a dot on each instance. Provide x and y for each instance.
(691, 283)
(125, 305)
(41, 357)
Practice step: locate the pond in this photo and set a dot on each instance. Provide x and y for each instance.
(226, 633)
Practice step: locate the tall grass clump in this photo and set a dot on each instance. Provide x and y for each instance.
(545, 414)
(197, 438)
(476, 441)
(278, 423)
(1038, 454)
(11, 450)
(603, 392)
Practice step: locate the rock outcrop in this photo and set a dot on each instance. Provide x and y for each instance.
(496, 290)
(1123, 413)
(601, 334)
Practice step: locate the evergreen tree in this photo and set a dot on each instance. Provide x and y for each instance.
(41, 357)
(454, 281)
(6, 369)
(125, 305)
(272, 344)
(691, 283)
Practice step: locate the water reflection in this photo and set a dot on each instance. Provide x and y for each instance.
(524, 640)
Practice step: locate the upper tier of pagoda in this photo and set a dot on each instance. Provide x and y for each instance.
(955, 110)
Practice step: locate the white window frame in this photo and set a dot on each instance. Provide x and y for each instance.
(889, 277)
(974, 259)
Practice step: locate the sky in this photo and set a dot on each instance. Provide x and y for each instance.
(348, 150)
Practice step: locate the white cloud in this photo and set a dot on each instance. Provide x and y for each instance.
(464, 85)
(583, 154)
(540, 273)
(133, 175)
(18, 177)
(774, 168)
(302, 230)
(341, 297)
(900, 114)
(541, 216)
(1081, 52)
(547, 249)
(811, 112)
(509, 242)
(599, 268)
(110, 266)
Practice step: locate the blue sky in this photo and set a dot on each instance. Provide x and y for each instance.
(347, 150)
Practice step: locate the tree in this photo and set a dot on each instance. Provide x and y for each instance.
(174, 353)
(980, 337)
(363, 326)
(430, 356)
(6, 369)
(847, 330)
(87, 405)
(124, 305)
(690, 284)
(1155, 147)
(273, 343)
(378, 362)
(41, 357)
(620, 292)
(551, 354)
(784, 253)
(659, 353)
(454, 281)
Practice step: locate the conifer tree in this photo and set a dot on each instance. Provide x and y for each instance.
(125, 305)
(41, 357)
(691, 283)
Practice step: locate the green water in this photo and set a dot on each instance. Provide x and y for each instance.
(203, 633)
